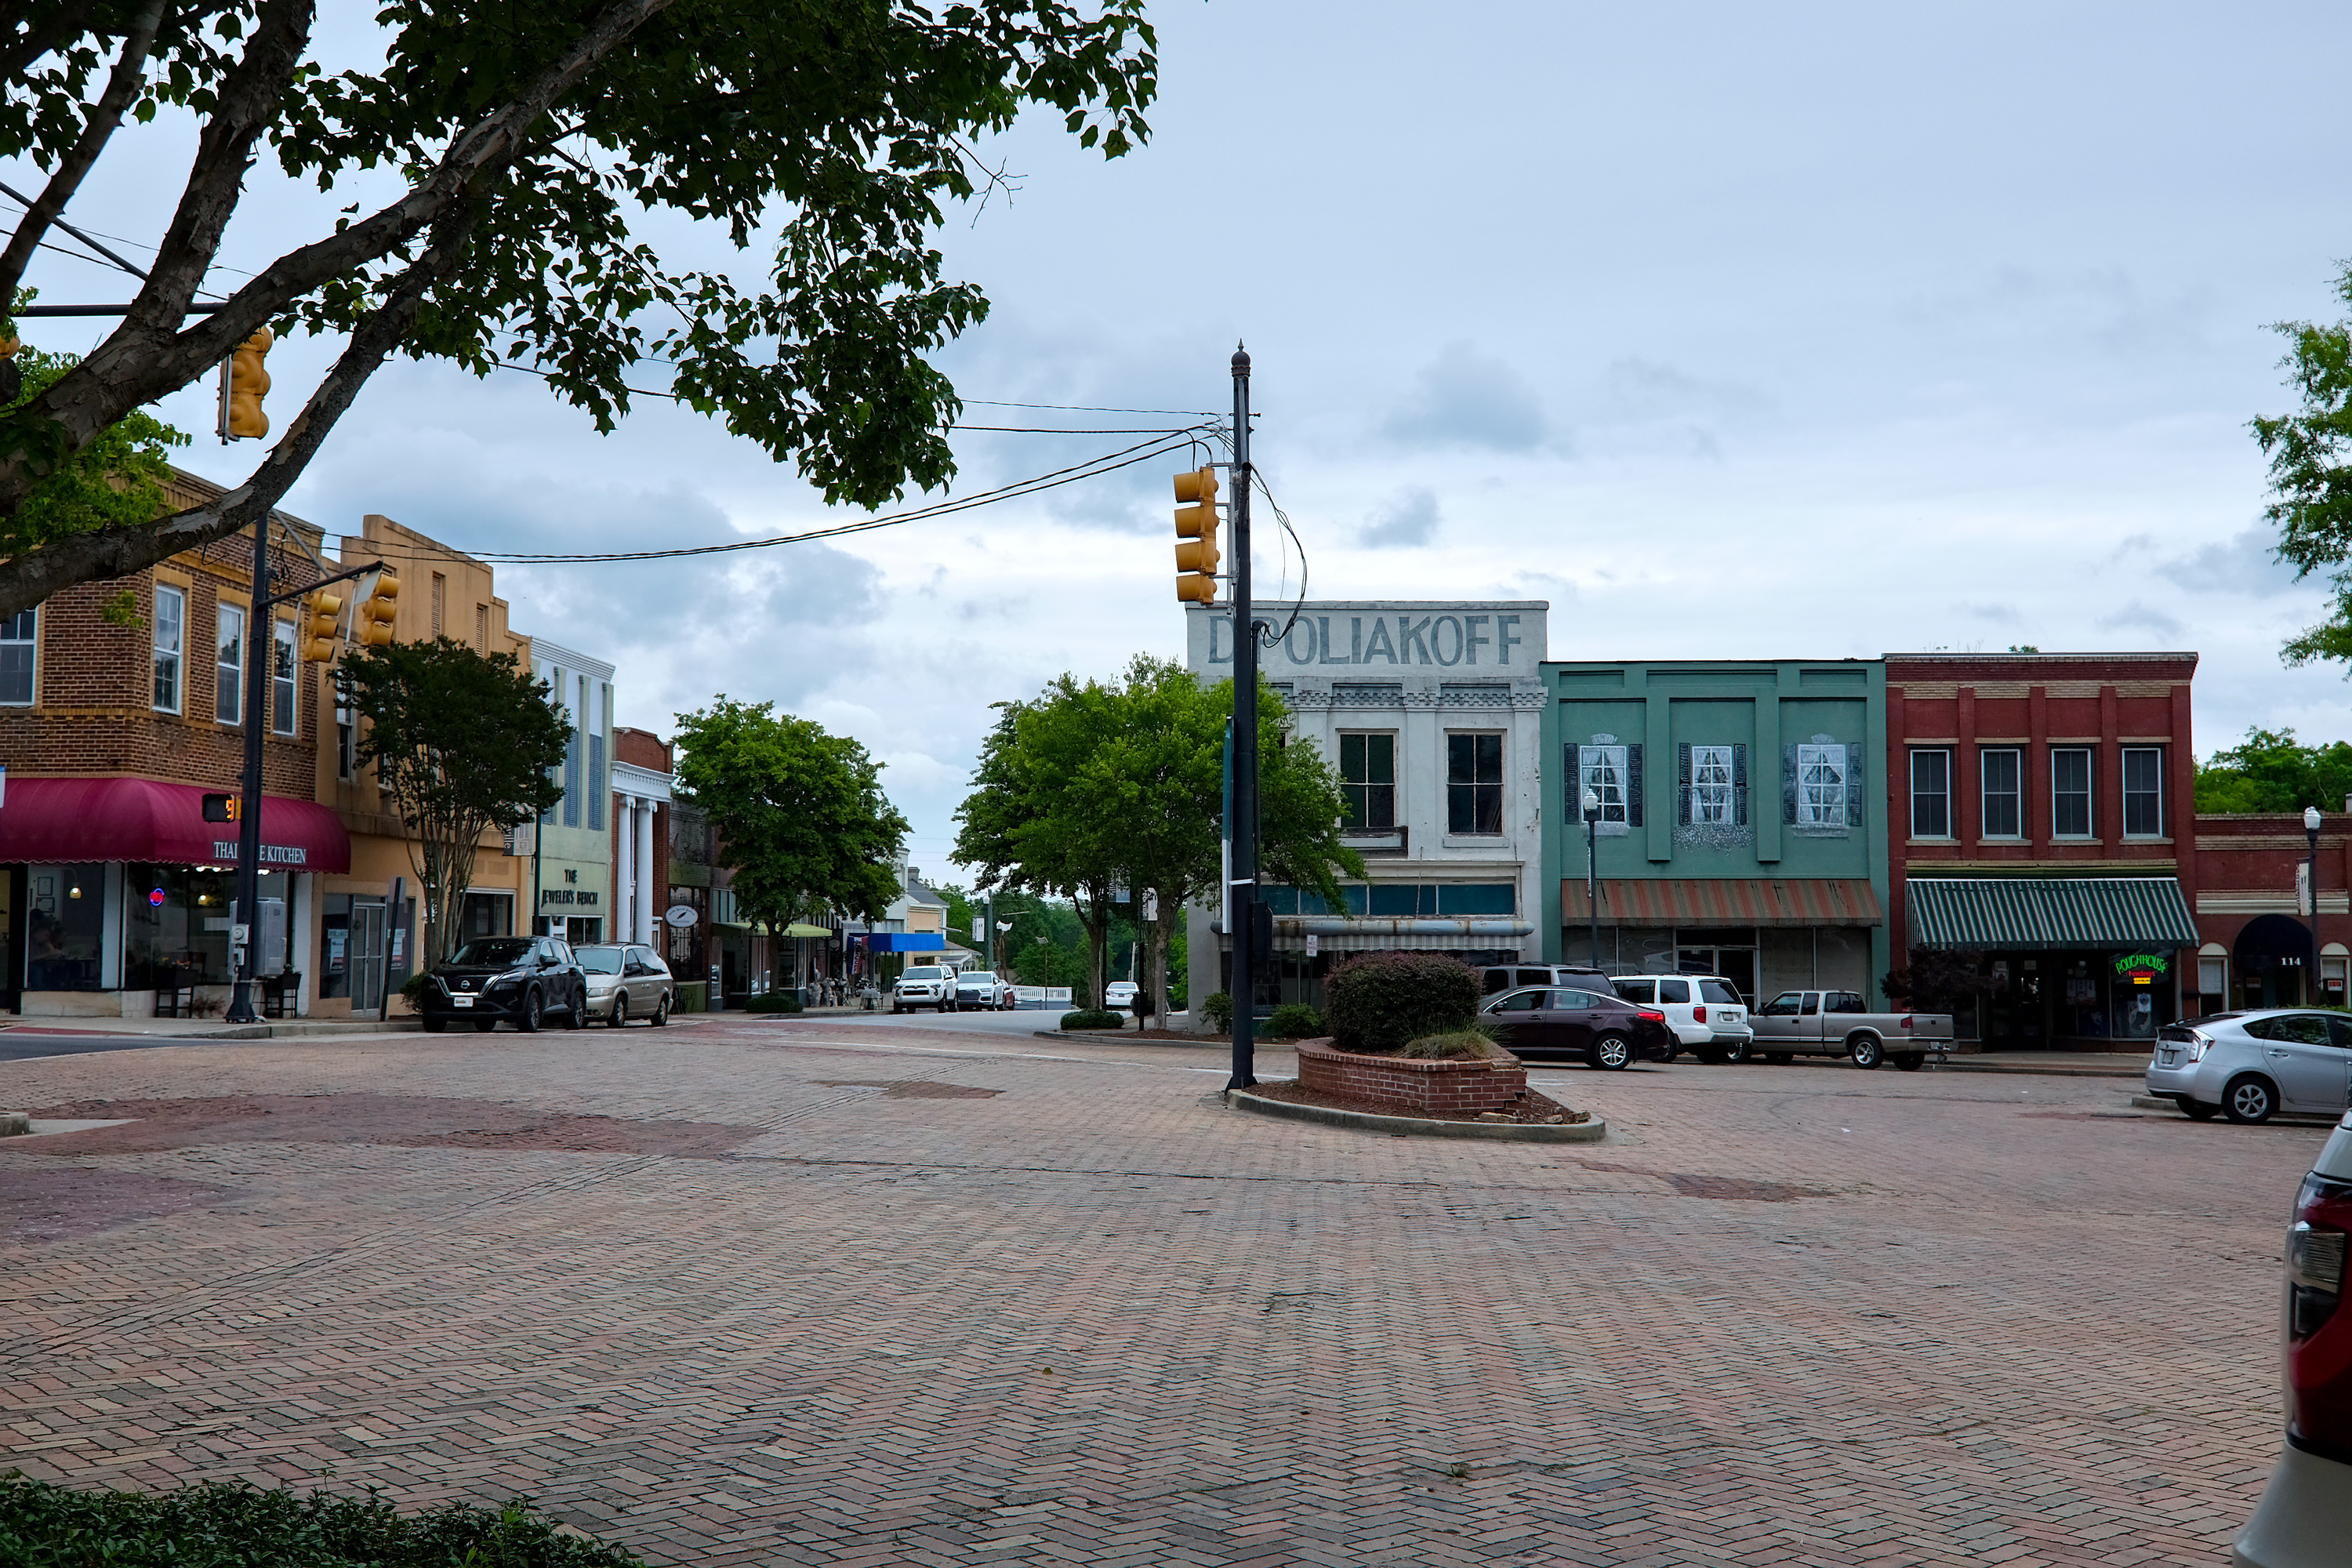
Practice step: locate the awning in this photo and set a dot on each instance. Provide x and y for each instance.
(802, 929)
(2040, 913)
(1725, 900)
(141, 819)
(902, 941)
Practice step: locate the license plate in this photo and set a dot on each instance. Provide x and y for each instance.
(2168, 1058)
(461, 1001)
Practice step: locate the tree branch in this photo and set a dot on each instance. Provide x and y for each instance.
(105, 115)
(26, 580)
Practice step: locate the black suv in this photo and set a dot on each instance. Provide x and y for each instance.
(520, 979)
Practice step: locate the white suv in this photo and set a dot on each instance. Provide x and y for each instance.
(925, 985)
(1704, 1011)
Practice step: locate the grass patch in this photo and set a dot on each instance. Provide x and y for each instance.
(218, 1525)
(1461, 1045)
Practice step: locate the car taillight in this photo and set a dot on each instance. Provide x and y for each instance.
(2318, 1332)
(2198, 1045)
(1698, 1014)
(1648, 1016)
(1906, 1023)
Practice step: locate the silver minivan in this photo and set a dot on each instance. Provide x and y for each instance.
(2251, 1065)
(626, 981)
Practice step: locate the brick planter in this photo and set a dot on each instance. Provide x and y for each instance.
(1412, 1084)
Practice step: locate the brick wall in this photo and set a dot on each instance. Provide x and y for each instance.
(1410, 1084)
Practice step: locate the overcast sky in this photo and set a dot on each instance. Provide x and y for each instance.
(1730, 331)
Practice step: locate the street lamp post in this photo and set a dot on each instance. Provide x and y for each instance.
(1591, 804)
(2310, 834)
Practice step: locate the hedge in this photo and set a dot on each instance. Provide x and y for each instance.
(773, 1002)
(1093, 1018)
(1382, 1000)
(1294, 1021)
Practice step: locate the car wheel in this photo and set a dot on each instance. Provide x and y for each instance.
(2250, 1101)
(947, 1004)
(1869, 1050)
(620, 1008)
(435, 1026)
(1909, 1061)
(531, 1017)
(1734, 1053)
(1780, 1058)
(576, 1014)
(894, 1007)
(2197, 1110)
(1612, 1052)
(661, 1011)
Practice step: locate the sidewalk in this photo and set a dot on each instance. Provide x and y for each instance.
(210, 1028)
(2054, 1064)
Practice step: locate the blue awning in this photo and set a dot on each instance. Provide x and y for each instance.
(903, 941)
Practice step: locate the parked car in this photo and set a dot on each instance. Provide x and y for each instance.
(929, 985)
(2304, 1520)
(1597, 1025)
(1840, 1023)
(2250, 1066)
(1500, 977)
(1119, 995)
(520, 979)
(1705, 1011)
(626, 981)
(981, 988)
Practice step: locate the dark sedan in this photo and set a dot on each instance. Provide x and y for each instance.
(1604, 1029)
(520, 979)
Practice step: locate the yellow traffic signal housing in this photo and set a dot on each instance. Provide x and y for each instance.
(242, 389)
(1196, 537)
(320, 619)
(378, 608)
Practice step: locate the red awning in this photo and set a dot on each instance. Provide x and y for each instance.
(1726, 900)
(141, 819)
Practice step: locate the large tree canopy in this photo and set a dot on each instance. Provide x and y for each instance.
(2310, 453)
(527, 142)
(2270, 770)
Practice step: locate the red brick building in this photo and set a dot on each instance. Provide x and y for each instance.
(2043, 810)
(2259, 946)
(121, 704)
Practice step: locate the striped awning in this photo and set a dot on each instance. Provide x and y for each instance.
(1726, 900)
(2031, 913)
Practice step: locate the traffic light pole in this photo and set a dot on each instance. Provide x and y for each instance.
(244, 926)
(1240, 896)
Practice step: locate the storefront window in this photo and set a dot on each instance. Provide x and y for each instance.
(64, 927)
(175, 926)
(486, 914)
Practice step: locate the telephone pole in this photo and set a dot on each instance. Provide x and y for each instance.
(1240, 897)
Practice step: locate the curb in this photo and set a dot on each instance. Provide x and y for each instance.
(2284, 1118)
(1961, 1064)
(1592, 1131)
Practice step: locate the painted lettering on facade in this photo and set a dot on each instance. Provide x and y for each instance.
(1447, 641)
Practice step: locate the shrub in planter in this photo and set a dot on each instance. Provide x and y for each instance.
(1471, 1045)
(773, 1002)
(1093, 1018)
(1217, 1007)
(219, 1523)
(1294, 1021)
(1380, 1002)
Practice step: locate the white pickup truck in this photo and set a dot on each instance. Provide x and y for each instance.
(1839, 1023)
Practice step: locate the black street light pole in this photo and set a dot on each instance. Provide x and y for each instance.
(1591, 804)
(260, 643)
(2312, 987)
(1241, 895)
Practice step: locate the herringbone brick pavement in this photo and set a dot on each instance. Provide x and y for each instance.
(955, 1302)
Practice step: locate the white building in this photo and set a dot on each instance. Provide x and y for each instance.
(1432, 714)
(571, 873)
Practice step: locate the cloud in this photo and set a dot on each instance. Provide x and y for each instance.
(2242, 564)
(1408, 517)
(2136, 615)
(1998, 615)
(1461, 398)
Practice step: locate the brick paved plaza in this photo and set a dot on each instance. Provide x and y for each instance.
(798, 1292)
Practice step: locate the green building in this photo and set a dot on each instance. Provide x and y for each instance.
(1741, 820)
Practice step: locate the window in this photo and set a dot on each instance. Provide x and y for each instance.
(1522, 1002)
(2143, 792)
(1473, 784)
(1676, 990)
(440, 600)
(600, 786)
(481, 628)
(171, 621)
(19, 640)
(346, 739)
(571, 757)
(228, 667)
(1603, 770)
(1931, 795)
(2070, 792)
(1711, 790)
(1368, 779)
(282, 666)
(2004, 795)
(1821, 787)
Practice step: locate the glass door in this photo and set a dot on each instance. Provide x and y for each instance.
(365, 955)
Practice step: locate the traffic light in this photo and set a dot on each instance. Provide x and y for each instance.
(321, 616)
(243, 382)
(1196, 537)
(378, 607)
(223, 809)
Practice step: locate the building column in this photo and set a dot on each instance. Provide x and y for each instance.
(623, 875)
(642, 860)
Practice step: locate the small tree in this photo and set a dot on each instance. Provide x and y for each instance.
(802, 818)
(463, 743)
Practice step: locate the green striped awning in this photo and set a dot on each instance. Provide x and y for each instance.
(2033, 912)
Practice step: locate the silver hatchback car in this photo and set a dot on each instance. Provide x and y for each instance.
(2251, 1065)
